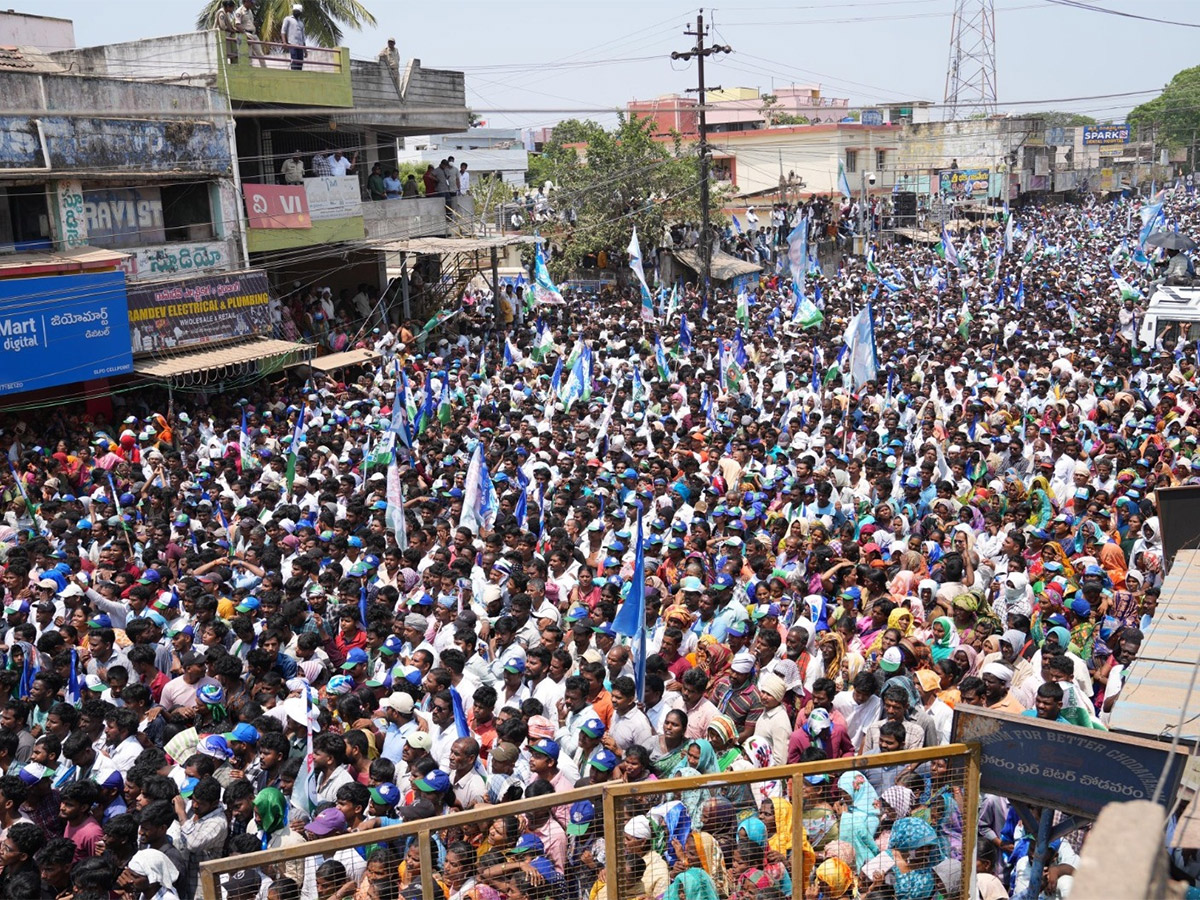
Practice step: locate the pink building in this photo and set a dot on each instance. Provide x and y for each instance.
(670, 113)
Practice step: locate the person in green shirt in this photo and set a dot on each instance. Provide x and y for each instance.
(375, 185)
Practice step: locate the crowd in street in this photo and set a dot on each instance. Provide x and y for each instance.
(223, 636)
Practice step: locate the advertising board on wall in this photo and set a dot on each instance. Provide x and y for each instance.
(965, 183)
(170, 315)
(62, 329)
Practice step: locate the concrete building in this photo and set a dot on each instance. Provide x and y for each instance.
(999, 158)
(488, 152)
(124, 178)
(47, 33)
(787, 163)
(742, 109)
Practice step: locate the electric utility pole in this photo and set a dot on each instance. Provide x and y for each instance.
(700, 52)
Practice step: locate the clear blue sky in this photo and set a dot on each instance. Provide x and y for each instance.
(867, 50)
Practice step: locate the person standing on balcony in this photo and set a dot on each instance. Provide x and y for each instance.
(224, 23)
(340, 165)
(464, 179)
(430, 180)
(243, 21)
(375, 183)
(292, 169)
(390, 56)
(294, 37)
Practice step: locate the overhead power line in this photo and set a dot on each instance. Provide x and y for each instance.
(1088, 7)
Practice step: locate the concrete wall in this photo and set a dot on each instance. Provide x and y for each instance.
(977, 143)
(376, 87)
(45, 33)
(189, 58)
(107, 145)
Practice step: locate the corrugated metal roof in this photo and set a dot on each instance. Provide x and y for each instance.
(456, 245)
(724, 265)
(354, 357)
(221, 357)
(51, 262)
(1156, 688)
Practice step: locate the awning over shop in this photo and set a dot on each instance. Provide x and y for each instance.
(217, 363)
(724, 266)
(356, 357)
(59, 262)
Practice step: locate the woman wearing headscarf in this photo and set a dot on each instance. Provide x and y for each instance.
(713, 659)
(944, 638)
(914, 846)
(832, 650)
(899, 620)
(692, 884)
(150, 875)
(835, 879)
(859, 817)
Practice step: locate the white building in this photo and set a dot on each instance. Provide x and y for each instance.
(488, 152)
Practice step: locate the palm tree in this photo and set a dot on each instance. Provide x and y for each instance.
(323, 19)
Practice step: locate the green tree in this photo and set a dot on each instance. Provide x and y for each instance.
(1055, 119)
(323, 19)
(1175, 113)
(624, 178)
(555, 156)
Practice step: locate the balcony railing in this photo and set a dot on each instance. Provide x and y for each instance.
(264, 72)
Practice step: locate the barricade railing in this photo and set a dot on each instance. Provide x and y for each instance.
(944, 782)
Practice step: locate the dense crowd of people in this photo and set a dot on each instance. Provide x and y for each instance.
(198, 597)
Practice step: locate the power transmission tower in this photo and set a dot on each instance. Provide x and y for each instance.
(971, 72)
(700, 52)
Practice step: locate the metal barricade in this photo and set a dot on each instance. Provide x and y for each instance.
(749, 830)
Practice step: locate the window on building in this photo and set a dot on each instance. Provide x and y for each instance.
(880, 160)
(187, 212)
(851, 161)
(24, 218)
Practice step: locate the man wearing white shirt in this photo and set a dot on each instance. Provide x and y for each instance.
(122, 746)
(339, 165)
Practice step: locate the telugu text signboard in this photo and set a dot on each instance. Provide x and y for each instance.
(276, 206)
(333, 197)
(170, 315)
(1076, 770)
(62, 329)
(1105, 135)
(965, 183)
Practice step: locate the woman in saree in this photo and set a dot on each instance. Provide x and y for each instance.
(712, 658)
(899, 619)
(915, 848)
(692, 884)
(776, 815)
(944, 810)
(859, 816)
(754, 829)
(1041, 502)
(669, 751)
(832, 651)
(820, 814)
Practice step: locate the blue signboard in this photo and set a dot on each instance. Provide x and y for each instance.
(1076, 770)
(62, 329)
(1102, 135)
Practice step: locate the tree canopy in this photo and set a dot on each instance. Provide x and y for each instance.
(1053, 118)
(1175, 113)
(622, 178)
(323, 19)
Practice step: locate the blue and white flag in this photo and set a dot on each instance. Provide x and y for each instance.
(574, 388)
(630, 619)
(862, 363)
(635, 263)
(843, 183)
(479, 495)
(685, 334)
(543, 288)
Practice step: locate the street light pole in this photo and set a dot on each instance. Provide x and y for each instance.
(700, 52)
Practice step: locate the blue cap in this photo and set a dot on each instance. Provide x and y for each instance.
(150, 576)
(392, 646)
(250, 604)
(722, 582)
(582, 814)
(611, 562)
(436, 781)
(576, 613)
(546, 747)
(593, 728)
(529, 843)
(356, 657)
(386, 794)
(100, 621)
(244, 732)
(516, 665)
(354, 541)
(604, 760)
(605, 629)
